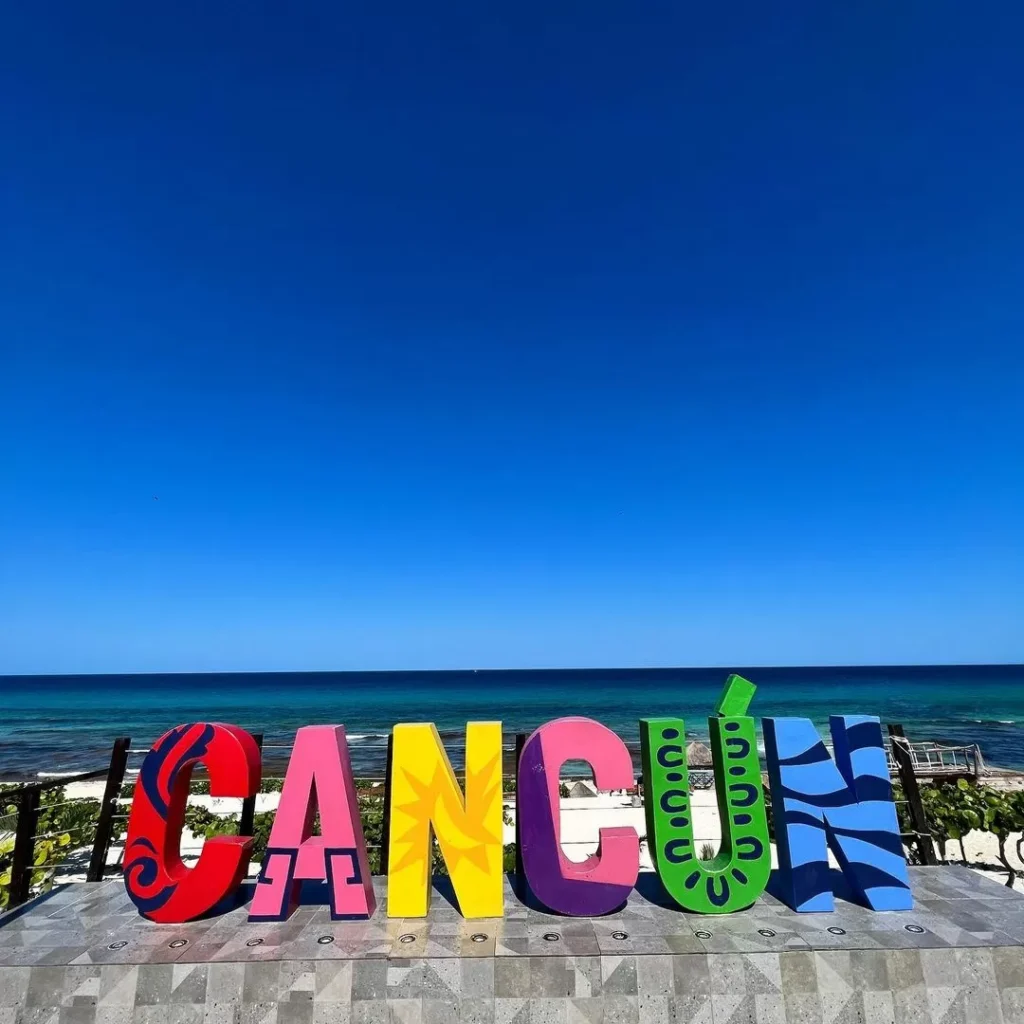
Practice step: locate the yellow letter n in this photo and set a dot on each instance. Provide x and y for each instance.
(425, 793)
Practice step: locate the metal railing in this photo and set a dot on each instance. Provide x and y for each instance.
(900, 756)
(113, 815)
(26, 800)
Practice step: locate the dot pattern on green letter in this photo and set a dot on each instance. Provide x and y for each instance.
(739, 873)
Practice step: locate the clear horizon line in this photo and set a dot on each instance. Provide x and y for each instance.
(541, 668)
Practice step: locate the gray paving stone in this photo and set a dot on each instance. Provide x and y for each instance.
(475, 1010)
(551, 978)
(422, 979)
(14, 985)
(982, 1005)
(798, 972)
(549, 1010)
(904, 969)
(976, 968)
(878, 1007)
(655, 977)
(733, 1008)
(153, 987)
(618, 975)
(261, 982)
(77, 1015)
(946, 1004)
(224, 983)
(939, 967)
(1008, 964)
(842, 1007)
(332, 1013)
(727, 972)
(297, 982)
(153, 1015)
(45, 986)
(762, 973)
(440, 1011)
(587, 970)
(910, 1005)
(869, 970)
(294, 1013)
(770, 1008)
(1012, 1004)
(511, 978)
(653, 1009)
(691, 975)
(189, 983)
(966, 965)
(690, 1008)
(621, 1009)
(585, 1010)
(123, 1015)
(477, 979)
(803, 1007)
(332, 982)
(834, 969)
(369, 980)
(370, 1011)
(511, 1011)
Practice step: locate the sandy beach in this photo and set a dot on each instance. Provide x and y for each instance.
(581, 820)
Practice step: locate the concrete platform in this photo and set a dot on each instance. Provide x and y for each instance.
(82, 955)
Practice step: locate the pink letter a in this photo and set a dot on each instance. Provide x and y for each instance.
(319, 775)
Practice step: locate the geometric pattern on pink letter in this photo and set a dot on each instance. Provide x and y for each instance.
(602, 882)
(319, 777)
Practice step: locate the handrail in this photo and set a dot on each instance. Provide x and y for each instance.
(54, 783)
(27, 801)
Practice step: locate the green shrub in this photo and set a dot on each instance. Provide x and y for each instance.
(64, 826)
(954, 809)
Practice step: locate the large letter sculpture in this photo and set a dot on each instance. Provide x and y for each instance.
(602, 882)
(740, 871)
(846, 805)
(425, 793)
(319, 775)
(157, 881)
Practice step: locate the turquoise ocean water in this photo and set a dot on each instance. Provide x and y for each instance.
(67, 723)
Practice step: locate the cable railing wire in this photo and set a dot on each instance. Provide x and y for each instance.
(370, 771)
(65, 831)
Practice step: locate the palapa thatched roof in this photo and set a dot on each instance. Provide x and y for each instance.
(698, 755)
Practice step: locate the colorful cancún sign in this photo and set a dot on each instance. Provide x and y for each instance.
(841, 802)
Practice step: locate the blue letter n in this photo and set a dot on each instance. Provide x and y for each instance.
(846, 805)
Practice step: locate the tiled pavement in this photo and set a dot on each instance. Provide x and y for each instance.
(83, 955)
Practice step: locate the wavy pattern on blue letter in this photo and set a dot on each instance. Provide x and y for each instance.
(844, 804)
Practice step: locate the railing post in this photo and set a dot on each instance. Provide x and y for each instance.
(248, 815)
(24, 845)
(105, 824)
(520, 886)
(385, 832)
(911, 790)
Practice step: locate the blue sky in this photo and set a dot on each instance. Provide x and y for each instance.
(457, 336)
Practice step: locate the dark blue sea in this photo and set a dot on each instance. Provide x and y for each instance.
(67, 723)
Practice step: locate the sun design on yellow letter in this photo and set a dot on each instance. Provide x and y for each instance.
(426, 793)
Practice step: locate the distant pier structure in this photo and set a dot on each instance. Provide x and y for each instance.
(930, 760)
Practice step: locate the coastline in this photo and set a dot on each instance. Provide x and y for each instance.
(67, 724)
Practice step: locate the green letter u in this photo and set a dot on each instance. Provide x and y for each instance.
(739, 873)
